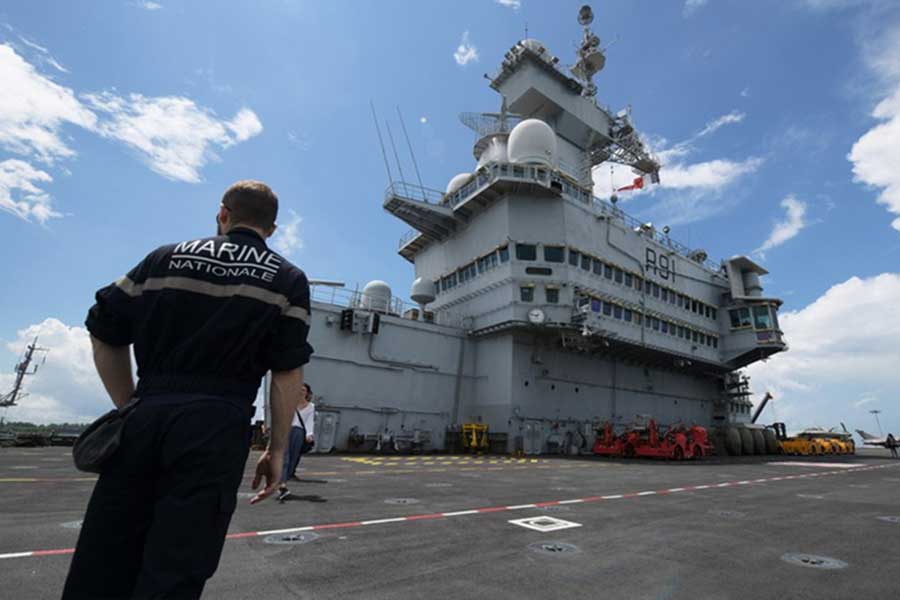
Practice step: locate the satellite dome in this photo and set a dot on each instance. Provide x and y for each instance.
(534, 45)
(532, 141)
(422, 291)
(492, 148)
(377, 296)
(457, 182)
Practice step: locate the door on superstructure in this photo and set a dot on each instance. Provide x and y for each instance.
(533, 437)
(326, 430)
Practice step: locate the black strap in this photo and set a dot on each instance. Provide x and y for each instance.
(300, 418)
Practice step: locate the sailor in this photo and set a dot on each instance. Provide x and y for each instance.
(302, 440)
(891, 444)
(206, 318)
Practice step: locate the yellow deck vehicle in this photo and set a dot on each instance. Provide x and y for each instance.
(814, 442)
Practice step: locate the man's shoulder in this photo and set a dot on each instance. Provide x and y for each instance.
(292, 274)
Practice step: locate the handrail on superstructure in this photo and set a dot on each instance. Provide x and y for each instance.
(546, 177)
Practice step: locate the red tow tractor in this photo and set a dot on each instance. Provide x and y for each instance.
(677, 443)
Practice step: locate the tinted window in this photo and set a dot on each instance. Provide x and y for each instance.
(607, 271)
(598, 267)
(526, 294)
(504, 254)
(638, 283)
(664, 326)
(629, 279)
(585, 262)
(617, 311)
(554, 254)
(607, 308)
(627, 315)
(552, 295)
(664, 295)
(619, 275)
(761, 317)
(526, 252)
(574, 257)
(655, 323)
(655, 289)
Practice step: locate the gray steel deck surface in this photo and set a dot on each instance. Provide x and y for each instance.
(719, 542)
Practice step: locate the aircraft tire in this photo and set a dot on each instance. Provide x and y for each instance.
(759, 441)
(771, 441)
(732, 441)
(746, 441)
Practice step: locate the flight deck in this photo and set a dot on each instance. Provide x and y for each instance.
(496, 526)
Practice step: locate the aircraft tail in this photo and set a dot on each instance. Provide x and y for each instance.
(866, 436)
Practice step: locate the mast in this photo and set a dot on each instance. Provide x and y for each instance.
(22, 370)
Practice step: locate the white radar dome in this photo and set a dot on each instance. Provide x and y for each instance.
(492, 148)
(534, 45)
(377, 296)
(457, 182)
(532, 141)
(422, 291)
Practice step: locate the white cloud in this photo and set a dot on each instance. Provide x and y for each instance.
(287, 237)
(20, 194)
(692, 6)
(148, 5)
(793, 223)
(745, 92)
(301, 140)
(716, 124)
(513, 4)
(708, 175)
(67, 387)
(172, 134)
(34, 109)
(423, 120)
(687, 192)
(244, 125)
(876, 155)
(465, 52)
(842, 345)
(686, 147)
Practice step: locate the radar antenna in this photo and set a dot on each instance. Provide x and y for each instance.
(490, 123)
(24, 369)
(591, 58)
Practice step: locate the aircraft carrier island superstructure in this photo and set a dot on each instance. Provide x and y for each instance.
(543, 311)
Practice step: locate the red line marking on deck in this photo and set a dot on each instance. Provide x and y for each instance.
(489, 509)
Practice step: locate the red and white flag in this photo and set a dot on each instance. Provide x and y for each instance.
(637, 184)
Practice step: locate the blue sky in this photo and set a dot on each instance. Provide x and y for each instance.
(778, 123)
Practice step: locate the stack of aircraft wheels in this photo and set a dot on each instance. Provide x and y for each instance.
(678, 442)
(750, 440)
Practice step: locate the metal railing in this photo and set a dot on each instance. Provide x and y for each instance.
(411, 191)
(348, 298)
(492, 172)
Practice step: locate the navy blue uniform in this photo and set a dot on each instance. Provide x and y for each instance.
(207, 319)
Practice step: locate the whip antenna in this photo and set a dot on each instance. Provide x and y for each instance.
(394, 148)
(387, 166)
(411, 153)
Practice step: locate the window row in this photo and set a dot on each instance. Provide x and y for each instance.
(614, 310)
(758, 317)
(551, 294)
(472, 270)
(586, 262)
